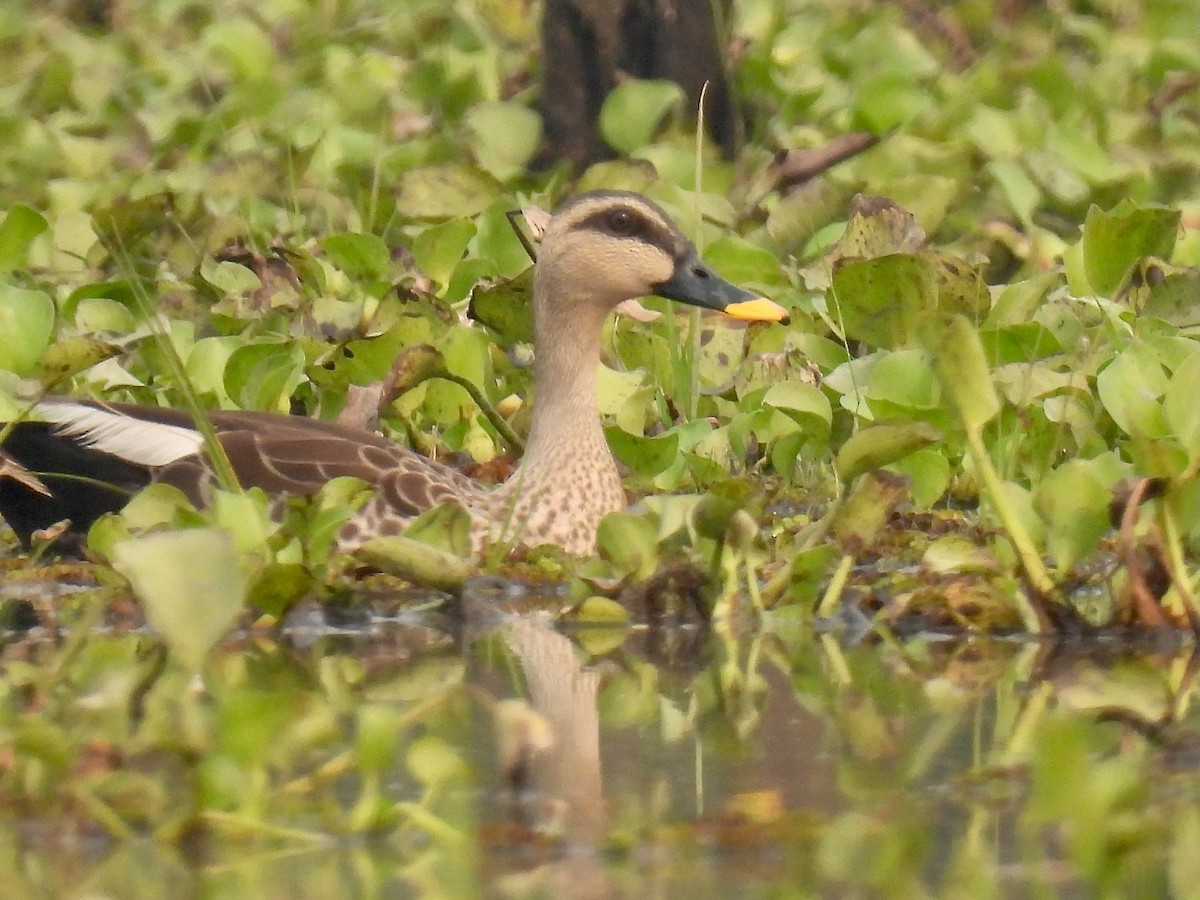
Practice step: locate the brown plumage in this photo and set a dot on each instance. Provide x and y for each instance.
(598, 250)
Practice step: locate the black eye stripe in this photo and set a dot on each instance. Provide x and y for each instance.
(628, 222)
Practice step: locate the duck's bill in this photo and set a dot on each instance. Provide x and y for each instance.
(697, 284)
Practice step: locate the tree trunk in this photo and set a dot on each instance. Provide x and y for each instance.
(588, 45)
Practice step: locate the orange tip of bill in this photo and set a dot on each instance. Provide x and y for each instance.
(760, 309)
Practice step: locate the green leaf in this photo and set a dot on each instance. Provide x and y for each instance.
(602, 611)
(69, 356)
(243, 46)
(378, 729)
(358, 255)
(885, 301)
(446, 526)
(504, 136)
(26, 323)
(444, 192)
(1019, 190)
(506, 308)
(1073, 502)
(1131, 388)
(805, 403)
(962, 367)
(879, 445)
(1181, 405)
(229, 277)
(20, 226)
(634, 110)
(439, 248)
(190, 605)
(629, 542)
(277, 587)
(1114, 241)
(263, 376)
(645, 455)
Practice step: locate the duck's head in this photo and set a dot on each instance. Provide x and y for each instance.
(603, 247)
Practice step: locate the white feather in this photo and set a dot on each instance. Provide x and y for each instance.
(133, 440)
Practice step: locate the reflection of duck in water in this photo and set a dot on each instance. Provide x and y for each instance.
(561, 773)
(556, 775)
(598, 250)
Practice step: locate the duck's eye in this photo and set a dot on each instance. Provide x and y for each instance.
(621, 222)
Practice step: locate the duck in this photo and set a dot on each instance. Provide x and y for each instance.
(75, 460)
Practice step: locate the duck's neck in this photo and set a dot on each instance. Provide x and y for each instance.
(565, 429)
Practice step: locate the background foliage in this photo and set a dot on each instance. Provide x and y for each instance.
(293, 191)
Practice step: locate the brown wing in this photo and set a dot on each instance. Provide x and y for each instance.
(294, 455)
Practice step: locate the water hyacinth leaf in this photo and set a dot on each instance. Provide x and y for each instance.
(960, 286)
(446, 526)
(953, 553)
(1181, 405)
(465, 353)
(647, 456)
(27, 323)
(20, 226)
(885, 301)
(712, 515)
(504, 136)
(634, 110)
(1022, 194)
(629, 542)
(887, 100)
(121, 225)
(277, 587)
(439, 249)
(378, 729)
(120, 291)
(596, 610)
(742, 262)
(71, 355)
(370, 359)
(614, 389)
(506, 308)
(229, 277)
(879, 445)
(877, 227)
(962, 367)
(1131, 388)
(1114, 241)
(191, 606)
(100, 314)
(929, 472)
(328, 511)
(1167, 292)
(358, 255)
(243, 46)
(805, 403)
(263, 376)
(1073, 502)
(159, 504)
(246, 516)
(432, 761)
(1019, 343)
(445, 192)
(904, 378)
(1017, 301)
(866, 511)
(720, 353)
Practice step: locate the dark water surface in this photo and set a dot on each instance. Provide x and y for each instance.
(512, 759)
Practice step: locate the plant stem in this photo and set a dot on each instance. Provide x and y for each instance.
(1033, 618)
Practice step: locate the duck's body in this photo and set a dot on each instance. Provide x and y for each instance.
(598, 250)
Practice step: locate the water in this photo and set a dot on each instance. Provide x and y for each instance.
(500, 758)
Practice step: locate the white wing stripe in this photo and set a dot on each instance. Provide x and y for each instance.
(133, 440)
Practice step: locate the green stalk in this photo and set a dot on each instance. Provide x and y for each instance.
(1032, 618)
